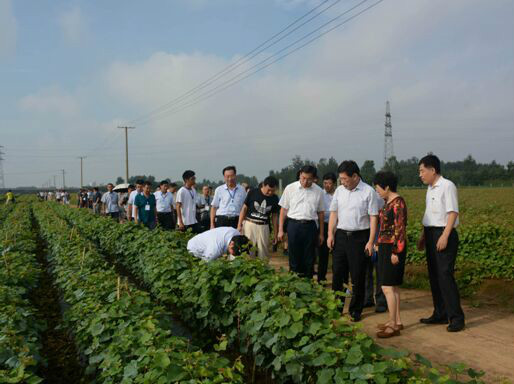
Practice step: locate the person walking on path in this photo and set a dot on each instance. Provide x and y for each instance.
(145, 204)
(186, 203)
(329, 187)
(110, 203)
(392, 249)
(131, 208)
(228, 201)
(302, 203)
(164, 200)
(97, 201)
(261, 205)
(351, 233)
(441, 242)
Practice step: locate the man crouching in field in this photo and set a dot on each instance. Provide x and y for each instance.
(216, 242)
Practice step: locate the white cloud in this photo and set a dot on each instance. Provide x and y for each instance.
(7, 28)
(72, 24)
(51, 100)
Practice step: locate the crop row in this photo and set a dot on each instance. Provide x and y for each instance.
(20, 330)
(286, 324)
(123, 334)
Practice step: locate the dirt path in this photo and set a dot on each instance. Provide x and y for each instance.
(487, 343)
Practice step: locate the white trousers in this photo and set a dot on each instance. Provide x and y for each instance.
(259, 236)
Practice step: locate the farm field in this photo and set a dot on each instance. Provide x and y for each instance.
(140, 309)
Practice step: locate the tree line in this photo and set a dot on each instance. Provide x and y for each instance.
(467, 172)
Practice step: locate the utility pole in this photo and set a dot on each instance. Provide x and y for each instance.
(63, 182)
(81, 170)
(2, 180)
(388, 136)
(126, 152)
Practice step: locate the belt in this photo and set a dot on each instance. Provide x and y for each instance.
(431, 228)
(227, 217)
(353, 233)
(256, 222)
(302, 221)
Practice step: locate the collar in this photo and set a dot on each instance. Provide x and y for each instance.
(437, 183)
(235, 188)
(359, 186)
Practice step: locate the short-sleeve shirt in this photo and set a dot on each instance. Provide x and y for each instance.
(302, 203)
(212, 244)
(132, 198)
(164, 201)
(260, 207)
(97, 197)
(110, 199)
(228, 201)
(187, 199)
(441, 199)
(146, 208)
(354, 207)
(327, 199)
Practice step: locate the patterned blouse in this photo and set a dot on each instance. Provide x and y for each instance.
(393, 223)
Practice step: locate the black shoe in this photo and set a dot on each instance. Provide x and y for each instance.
(369, 304)
(380, 309)
(433, 320)
(285, 252)
(356, 317)
(455, 327)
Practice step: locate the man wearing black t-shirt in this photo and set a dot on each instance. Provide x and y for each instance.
(260, 204)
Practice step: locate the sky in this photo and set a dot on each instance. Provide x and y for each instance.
(71, 72)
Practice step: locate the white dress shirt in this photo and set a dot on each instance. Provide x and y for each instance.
(441, 199)
(164, 201)
(212, 244)
(131, 200)
(228, 201)
(110, 199)
(355, 207)
(302, 203)
(187, 198)
(327, 200)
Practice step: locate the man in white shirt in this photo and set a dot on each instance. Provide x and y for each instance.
(302, 203)
(131, 208)
(186, 203)
(203, 206)
(228, 201)
(164, 202)
(441, 241)
(351, 233)
(329, 187)
(110, 202)
(216, 242)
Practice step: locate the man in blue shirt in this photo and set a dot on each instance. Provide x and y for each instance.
(228, 201)
(145, 204)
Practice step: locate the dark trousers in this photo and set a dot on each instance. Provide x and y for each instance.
(441, 269)
(301, 241)
(114, 215)
(195, 228)
(227, 221)
(374, 289)
(165, 220)
(323, 253)
(349, 258)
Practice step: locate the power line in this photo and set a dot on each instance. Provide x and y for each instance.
(236, 79)
(247, 57)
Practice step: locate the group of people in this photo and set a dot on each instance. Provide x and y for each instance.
(355, 222)
(60, 195)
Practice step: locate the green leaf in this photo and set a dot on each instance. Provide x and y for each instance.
(354, 356)
(130, 370)
(325, 376)
(161, 360)
(97, 329)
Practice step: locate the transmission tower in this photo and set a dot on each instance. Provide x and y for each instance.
(2, 180)
(388, 137)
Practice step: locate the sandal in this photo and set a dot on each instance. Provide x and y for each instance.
(385, 335)
(385, 325)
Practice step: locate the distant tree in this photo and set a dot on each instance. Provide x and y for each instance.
(368, 171)
(120, 180)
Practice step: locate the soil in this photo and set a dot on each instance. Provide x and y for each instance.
(487, 342)
(59, 350)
